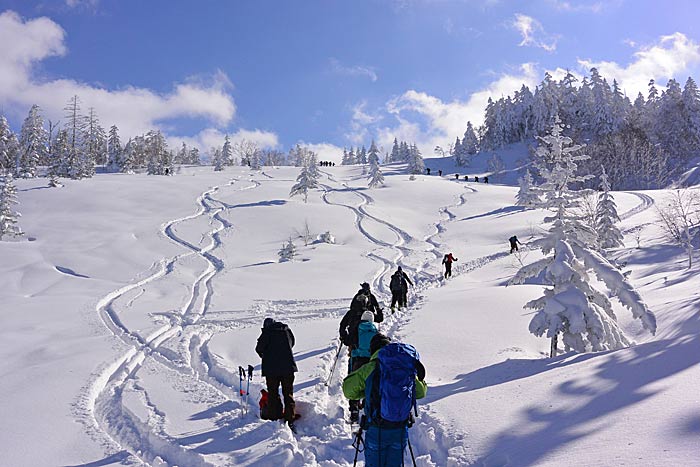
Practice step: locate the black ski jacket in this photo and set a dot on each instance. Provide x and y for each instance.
(275, 348)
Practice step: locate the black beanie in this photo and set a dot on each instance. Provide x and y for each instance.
(378, 341)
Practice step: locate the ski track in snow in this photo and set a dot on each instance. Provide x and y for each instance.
(646, 202)
(181, 344)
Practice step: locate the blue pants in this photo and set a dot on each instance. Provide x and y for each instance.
(385, 447)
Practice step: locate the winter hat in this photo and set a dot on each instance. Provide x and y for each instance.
(399, 268)
(367, 316)
(365, 285)
(378, 341)
(268, 322)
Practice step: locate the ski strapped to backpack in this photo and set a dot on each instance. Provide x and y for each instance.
(391, 391)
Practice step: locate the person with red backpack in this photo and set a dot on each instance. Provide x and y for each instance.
(447, 260)
(390, 384)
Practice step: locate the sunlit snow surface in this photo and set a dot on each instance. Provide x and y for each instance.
(125, 320)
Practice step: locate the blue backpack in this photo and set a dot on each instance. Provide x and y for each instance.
(391, 390)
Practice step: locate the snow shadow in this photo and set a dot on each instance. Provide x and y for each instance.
(503, 372)
(117, 458)
(626, 376)
(70, 272)
(272, 202)
(501, 212)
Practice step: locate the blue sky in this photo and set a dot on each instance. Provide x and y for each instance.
(327, 73)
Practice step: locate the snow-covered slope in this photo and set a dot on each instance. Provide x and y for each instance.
(133, 300)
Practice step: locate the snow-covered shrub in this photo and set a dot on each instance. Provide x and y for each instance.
(326, 237)
(288, 251)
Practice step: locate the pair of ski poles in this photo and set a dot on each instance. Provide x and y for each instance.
(248, 376)
(335, 362)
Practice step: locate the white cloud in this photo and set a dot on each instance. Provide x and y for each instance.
(82, 3)
(533, 33)
(360, 122)
(134, 110)
(428, 121)
(670, 57)
(355, 70)
(576, 7)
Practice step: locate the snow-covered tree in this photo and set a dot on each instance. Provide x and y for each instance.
(609, 235)
(227, 151)
(76, 162)
(32, 142)
(571, 305)
(395, 155)
(9, 146)
(115, 151)
(306, 180)
(376, 178)
(194, 157)
(159, 159)
(468, 147)
(526, 194)
(217, 159)
(255, 159)
(94, 142)
(288, 251)
(8, 198)
(416, 165)
(680, 219)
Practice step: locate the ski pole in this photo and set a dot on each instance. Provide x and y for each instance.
(241, 372)
(337, 354)
(247, 390)
(410, 449)
(358, 441)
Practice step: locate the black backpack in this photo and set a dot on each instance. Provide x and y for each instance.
(396, 284)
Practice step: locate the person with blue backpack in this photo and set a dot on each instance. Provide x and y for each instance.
(361, 354)
(390, 383)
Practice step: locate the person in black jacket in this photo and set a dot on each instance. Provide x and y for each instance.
(364, 300)
(275, 348)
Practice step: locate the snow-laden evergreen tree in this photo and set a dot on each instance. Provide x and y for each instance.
(194, 157)
(227, 151)
(376, 178)
(32, 142)
(8, 198)
(9, 146)
(77, 164)
(395, 155)
(157, 154)
(571, 305)
(416, 165)
(526, 194)
(94, 142)
(362, 156)
(217, 159)
(609, 235)
(306, 180)
(115, 161)
(288, 251)
(255, 159)
(469, 146)
(59, 154)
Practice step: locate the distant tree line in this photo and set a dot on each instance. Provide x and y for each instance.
(641, 144)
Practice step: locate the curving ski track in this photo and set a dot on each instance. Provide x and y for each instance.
(148, 443)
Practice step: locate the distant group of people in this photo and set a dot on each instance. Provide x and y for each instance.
(476, 178)
(326, 164)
